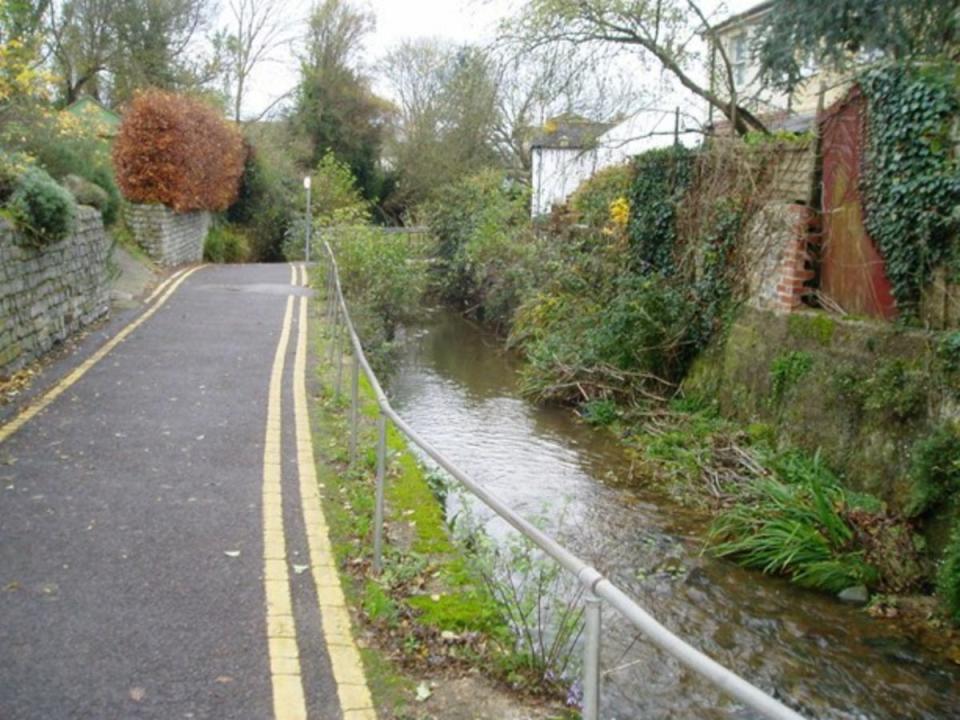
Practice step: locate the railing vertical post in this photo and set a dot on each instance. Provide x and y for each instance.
(354, 408)
(340, 344)
(381, 480)
(331, 292)
(591, 658)
(333, 331)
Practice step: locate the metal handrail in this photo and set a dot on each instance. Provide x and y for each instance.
(596, 586)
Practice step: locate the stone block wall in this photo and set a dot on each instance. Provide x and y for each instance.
(169, 237)
(48, 293)
(778, 256)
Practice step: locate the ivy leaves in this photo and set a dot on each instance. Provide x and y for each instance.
(911, 180)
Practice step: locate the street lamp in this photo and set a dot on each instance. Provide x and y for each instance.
(306, 186)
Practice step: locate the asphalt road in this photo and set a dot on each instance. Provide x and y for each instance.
(131, 522)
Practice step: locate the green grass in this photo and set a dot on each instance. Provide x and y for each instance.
(794, 530)
(426, 578)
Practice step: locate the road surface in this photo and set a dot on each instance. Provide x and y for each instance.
(161, 539)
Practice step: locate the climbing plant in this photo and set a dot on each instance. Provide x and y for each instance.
(660, 182)
(911, 180)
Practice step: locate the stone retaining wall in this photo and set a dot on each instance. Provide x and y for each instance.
(48, 293)
(170, 238)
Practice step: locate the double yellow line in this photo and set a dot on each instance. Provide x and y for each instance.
(289, 702)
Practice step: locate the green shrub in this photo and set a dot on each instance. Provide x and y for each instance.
(264, 207)
(226, 245)
(85, 192)
(43, 210)
(591, 201)
(12, 166)
(618, 339)
(82, 155)
(473, 222)
(948, 578)
(934, 470)
(948, 350)
(911, 182)
(102, 176)
(384, 278)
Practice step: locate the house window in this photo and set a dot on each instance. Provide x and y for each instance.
(739, 58)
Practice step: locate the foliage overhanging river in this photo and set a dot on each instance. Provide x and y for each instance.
(455, 385)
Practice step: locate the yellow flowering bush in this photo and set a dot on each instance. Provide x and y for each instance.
(620, 212)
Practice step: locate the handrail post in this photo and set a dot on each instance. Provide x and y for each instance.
(334, 328)
(354, 408)
(591, 657)
(331, 291)
(381, 480)
(340, 344)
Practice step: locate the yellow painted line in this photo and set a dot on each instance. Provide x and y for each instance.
(159, 289)
(286, 678)
(57, 390)
(352, 689)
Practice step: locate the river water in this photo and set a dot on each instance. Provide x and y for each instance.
(459, 389)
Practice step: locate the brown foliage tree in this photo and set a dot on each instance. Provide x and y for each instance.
(175, 150)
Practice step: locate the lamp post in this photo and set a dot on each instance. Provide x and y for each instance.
(306, 186)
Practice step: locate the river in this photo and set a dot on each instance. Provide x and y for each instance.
(456, 386)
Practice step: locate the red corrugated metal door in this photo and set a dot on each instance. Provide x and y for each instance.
(852, 272)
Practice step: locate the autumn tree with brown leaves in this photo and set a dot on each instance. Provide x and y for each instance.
(175, 150)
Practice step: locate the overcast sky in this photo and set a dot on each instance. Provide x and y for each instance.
(473, 21)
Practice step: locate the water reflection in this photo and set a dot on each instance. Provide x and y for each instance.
(459, 389)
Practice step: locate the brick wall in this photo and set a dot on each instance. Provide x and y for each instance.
(48, 293)
(169, 237)
(777, 251)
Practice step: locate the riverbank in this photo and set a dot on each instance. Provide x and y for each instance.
(454, 383)
(780, 636)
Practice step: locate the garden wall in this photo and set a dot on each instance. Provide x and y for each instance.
(861, 393)
(169, 237)
(48, 293)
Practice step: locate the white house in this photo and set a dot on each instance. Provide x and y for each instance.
(562, 156)
(572, 150)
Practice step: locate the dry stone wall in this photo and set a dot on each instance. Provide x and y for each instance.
(48, 293)
(170, 238)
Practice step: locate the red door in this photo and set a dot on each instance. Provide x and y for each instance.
(852, 273)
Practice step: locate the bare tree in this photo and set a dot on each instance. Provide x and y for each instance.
(548, 81)
(661, 30)
(446, 115)
(258, 28)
